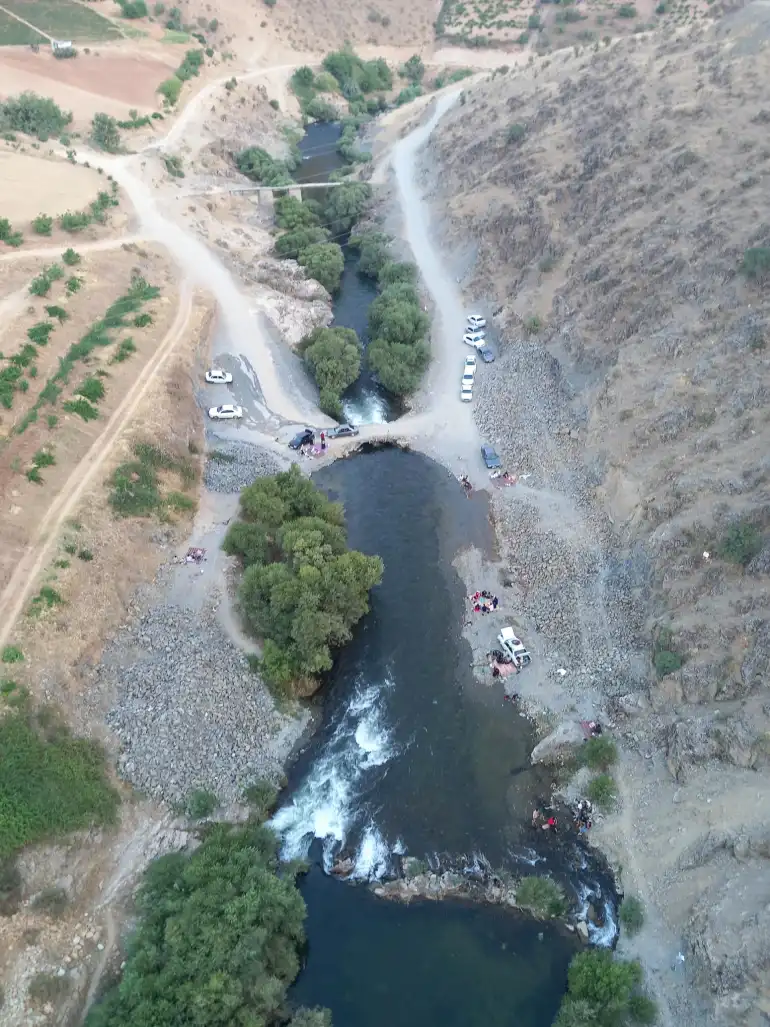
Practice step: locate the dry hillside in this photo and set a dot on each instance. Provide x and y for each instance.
(604, 203)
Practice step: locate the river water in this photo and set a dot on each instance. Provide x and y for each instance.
(415, 756)
(365, 402)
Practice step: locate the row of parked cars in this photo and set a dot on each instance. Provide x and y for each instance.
(475, 336)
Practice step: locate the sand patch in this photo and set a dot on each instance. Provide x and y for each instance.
(32, 185)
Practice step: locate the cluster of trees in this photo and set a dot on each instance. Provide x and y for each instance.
(257, 164)
(34, 115)
(397, 353)
(333, 356)
(302, 589)
(105, 134)
(218, 941)
(356, 77)
(346, 73)
(604, 992)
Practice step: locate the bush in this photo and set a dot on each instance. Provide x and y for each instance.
(356, 76)
(334, 358)
(740, 544)
(73, 284)
(34, 115)
(542, 897)
(534, 22)
(74, 221)
(397, 273)
(304, 602)
(666, 662)
(602, 992)
(58, 312)
(70, 257)
(515, 133)
(136, 484)
(324, 262)
(41, 285)
(170, 89)
(259, 166)
(104, 133)
(85, 555)
(82, 408)
(50, 782)
(603, 791)
(626, 11)
(407, 95)
(319, 110)
(246, 541)
(173, 166)
(11, 654)
(413, 69)
(124, 351)
(39, 332)
(200, 803)
(133, 8)
(43, 224)
(373, 249)
(190, 66)
(92, 389)
(632, 914)
(325, 83)
(219, 938)
(532, 325)
(598, 753)
(262, 797)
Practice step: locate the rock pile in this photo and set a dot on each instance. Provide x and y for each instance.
(231, 466)
(189, 712)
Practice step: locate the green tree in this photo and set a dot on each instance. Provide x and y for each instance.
(397, 273)
(413, 69)
(373, 248)
(34, 115)
(324, 262)
(740, 544)
(598, 753)
(170, 89)
(603, 992)
(291, 213)
(291, 244)
(395, 316)
(334, 358)
(218, 941)
(104, 133)
(632, 914)
(399, 367)
(133, 8)
(257, 164)
(756, 262)
(320, 110)
(246, 541)
(345, 205)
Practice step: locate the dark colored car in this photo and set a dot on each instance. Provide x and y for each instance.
(342, 431)
(490, 458)
(486, 354)
(303, 438)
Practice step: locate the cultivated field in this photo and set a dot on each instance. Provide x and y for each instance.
(64, 19)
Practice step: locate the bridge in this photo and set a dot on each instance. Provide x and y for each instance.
(266, 191)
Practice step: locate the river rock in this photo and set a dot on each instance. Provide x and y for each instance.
(582, 929)
(560, 744)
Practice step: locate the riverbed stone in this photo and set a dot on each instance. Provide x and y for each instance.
(560, 744)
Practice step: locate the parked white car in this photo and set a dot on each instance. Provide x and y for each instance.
(216, 376)
(467, 381)
(466, 392)
(227, 412)
(473, 339)
(476, 321)
(470, 364)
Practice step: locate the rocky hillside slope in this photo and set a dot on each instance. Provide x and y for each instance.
(604, 202)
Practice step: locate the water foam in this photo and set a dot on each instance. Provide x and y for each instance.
(603, 936)
(325, 806)
(373, 856)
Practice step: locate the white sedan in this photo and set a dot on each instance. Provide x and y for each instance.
(466, 392)
(470, 365)
(474, 339)
(476, 321)
(225, 413)
(216, 376)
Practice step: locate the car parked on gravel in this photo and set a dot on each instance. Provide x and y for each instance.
(475, 339)
(470, 362)
(216, 376)
(466, 392)
(468, 376)
(486, 354)
(306, 437)
(227, 412)
(476, 321)
(490, 458)
(342, 431)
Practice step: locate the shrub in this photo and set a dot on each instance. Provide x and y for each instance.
(82, 408)
(534, 22)
(319, 110)
(666, 662)
(70, 257)
(626, 11)
(39, 332)
(407, 95)
(104, 133)
(397, 273)
(40, 285)
(73, 284)
(43, 224)
(142, 320)
(124, 351)
(136, 486)
(603, 791)
(34, 115)
(258, 165)
(515, 133)
(11, 654)
(334, 358)
(598, 753)
(191, 65)
(740, 543)
(632, 914)
(191, 963)
(85, 555)
(45, 599)
(170, 89)
(133, 8)
(44, 458)
(59, 313)
(324, 262)
(173, 166)
(413, 69)
(50, 782)
(547, 264)
(532, 325)
(74, 221)
(356, 76)
(200, 803)
(602, 992)
(542, 897)
(305, 601)
(262, 797)
(92, 389)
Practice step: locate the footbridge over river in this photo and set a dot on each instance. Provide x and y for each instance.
(260, 192)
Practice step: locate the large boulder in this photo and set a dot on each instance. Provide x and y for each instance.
(560, 744)
(711, 738)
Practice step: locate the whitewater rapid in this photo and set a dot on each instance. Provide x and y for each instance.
(329, 805)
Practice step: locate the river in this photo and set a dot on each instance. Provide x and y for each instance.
(415, 756)
(365, 402)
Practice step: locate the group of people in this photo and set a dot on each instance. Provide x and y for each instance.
(545, 823)
(466, 484)
(582, 815)
(484, 602)
(544, 819)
